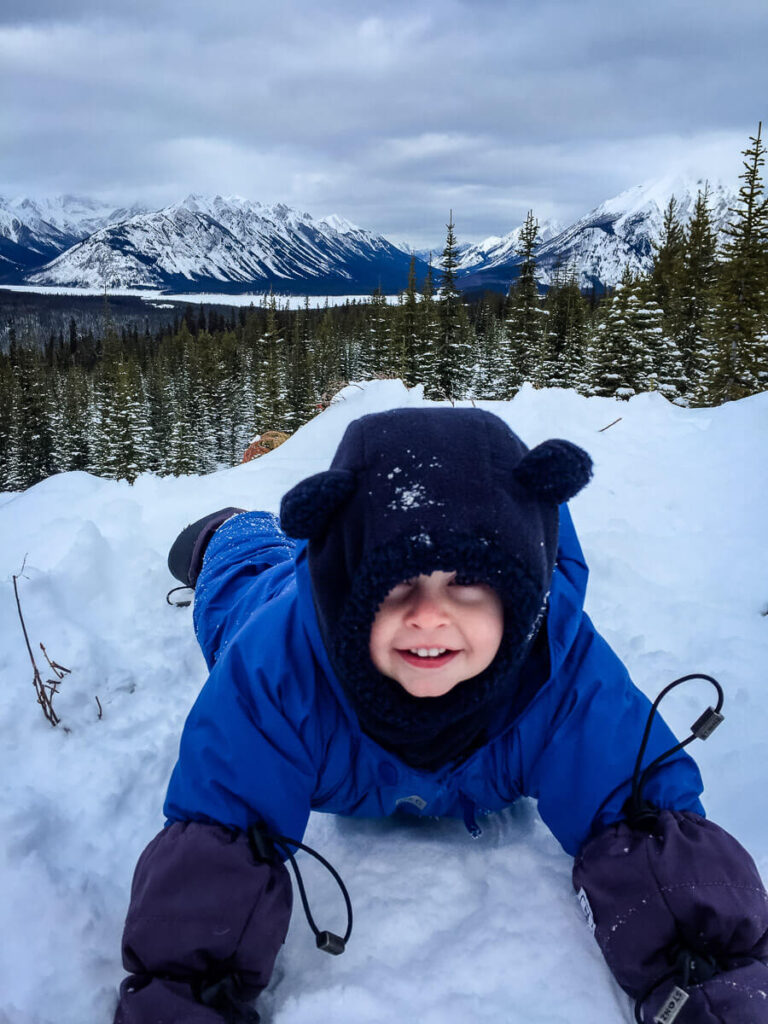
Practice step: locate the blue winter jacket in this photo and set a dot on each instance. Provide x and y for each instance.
(272, 737)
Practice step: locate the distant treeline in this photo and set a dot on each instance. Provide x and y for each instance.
(188, 395)
(40, 318)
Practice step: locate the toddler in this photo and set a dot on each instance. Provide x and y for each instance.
(410, 638)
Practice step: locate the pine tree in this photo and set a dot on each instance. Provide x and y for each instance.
(425, 355)
(657, 364)
(695, 336)
(489, 355)
(6, 420)
(72, 439)
(405, 330)
(452, 365)
(564, 333)
(615, 366)
(31, 450)
(378, 347)
(742, 327)
(668, 267)
(523, 311)
(299, 386)
(328, 368)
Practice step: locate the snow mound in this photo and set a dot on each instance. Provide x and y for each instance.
(446, 928)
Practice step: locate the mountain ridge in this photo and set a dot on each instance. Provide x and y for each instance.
(231, 244)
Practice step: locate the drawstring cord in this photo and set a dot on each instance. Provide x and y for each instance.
(690, 968)
(179, 604)
(260, 838)
(637, 810)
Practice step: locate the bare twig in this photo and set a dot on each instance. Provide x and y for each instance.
(98, 703)
(45, 691)
(58, 670)
(610, 424)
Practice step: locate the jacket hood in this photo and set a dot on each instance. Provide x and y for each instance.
(412, 491)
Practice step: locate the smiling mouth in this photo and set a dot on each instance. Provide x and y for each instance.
(427, 657)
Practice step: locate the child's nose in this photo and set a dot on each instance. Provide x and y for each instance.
(426, 611)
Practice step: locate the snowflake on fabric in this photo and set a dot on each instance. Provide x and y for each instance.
(410, 496)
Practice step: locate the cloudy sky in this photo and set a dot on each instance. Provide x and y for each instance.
(389, 114)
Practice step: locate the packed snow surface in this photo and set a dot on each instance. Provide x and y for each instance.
(446, 928)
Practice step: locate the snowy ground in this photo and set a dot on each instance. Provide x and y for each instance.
(447, 929)
(154, 297)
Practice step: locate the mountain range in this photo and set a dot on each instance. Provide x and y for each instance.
(234, 245)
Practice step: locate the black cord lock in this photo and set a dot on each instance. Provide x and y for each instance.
(706, 724)
(265, 844)
(639, 812)
(330, 943)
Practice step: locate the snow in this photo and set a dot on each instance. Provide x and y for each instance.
(152, 295)
(446, 928)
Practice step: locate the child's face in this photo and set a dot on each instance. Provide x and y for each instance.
(432, 613)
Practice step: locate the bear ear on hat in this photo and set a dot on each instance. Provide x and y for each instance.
(554, 470)
(306, 509)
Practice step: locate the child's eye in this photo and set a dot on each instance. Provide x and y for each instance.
(464, 581)
(400, 590)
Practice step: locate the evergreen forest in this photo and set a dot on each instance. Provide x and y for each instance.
(189, 395)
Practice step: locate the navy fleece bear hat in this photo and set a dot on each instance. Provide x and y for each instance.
(413, 491)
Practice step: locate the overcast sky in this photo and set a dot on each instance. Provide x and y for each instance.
(388, 118)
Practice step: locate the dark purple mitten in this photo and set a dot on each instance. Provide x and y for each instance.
(681, 916)
(204, 926)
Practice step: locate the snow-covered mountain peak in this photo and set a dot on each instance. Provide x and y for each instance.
(498, 249)
(340, 224)
(652, 197)
(73, 215)
(229, 241)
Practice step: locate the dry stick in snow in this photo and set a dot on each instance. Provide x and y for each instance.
(45, 690)
(610, 424)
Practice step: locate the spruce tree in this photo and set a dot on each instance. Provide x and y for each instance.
(564, 333)
(614, 364)
(523, 314)
(668, 267)
(31, 449)
(452, 365)
(377, 350)
(72, 438)
(425, 356)
(742, 327)
(6, 420)
(299, 386)
(695, 336)
(405, 330)
(489, 357)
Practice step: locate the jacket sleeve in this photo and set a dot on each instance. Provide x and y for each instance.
(248, 561)
(207, 915)
(579, 762)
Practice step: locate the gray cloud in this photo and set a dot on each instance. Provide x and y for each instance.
(388, 117)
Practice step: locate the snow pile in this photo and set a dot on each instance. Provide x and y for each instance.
(446, 928)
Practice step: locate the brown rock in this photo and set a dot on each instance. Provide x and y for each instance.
(264, 443)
